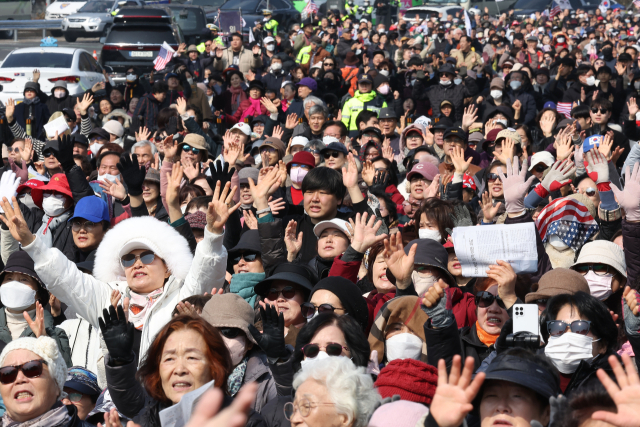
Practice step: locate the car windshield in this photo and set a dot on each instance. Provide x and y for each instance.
(96, 7)
(210, 3)
(38, 60)
(248, 5)
(188, 19)
(141, 35)
(531, 4)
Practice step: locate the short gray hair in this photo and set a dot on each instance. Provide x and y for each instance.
(315, 144)
(144, 143)
(319, 109)
(312, 100)
(350, 388)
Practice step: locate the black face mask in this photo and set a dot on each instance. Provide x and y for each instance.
(440, 35)
(494, 42)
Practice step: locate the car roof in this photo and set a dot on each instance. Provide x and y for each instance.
(177, 6)
(144, 11)
(68, 50)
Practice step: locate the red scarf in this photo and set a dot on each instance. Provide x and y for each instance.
(237, 96)
(253, 110)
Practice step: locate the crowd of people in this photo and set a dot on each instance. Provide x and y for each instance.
(271, 223)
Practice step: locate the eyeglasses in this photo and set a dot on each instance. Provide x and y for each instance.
(329, 64)
(48, 154)
(332, 349)
(14, 150)
(595, 110)
(493, 177)
(246, 257)
(598, 269)
(334, 154)
(31, 369)
(230, 333)
(315, 152)
(303, 406)
(288, 292)
(542, 302)
(77, 225)
(485, 299)
(75, 397)
(309, 310)
(557, 328)
(590, 191)
(186, 147)
(145, 257)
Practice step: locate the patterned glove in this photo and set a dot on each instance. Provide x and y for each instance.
(558, 176)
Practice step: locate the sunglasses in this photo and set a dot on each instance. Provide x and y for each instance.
(188, 147)
(333, 154)
(313, 151)
(598, 269)
(602, 110)
(77, 225)
(493, 177)
(230, 333)
(75, 397)
(145, 257)
(14, 150)
(329, 64)
(246, 257)
(48, 154)
(332, 349)
(540, 168)
(542, 302)
(31, 369)
(485, 299)
(557, 328)
(590, 191)
(288, 292)
(309, 310)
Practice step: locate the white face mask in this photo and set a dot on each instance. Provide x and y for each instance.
(591, 81)
(445, 82)
(276, 66)
(59, 93)
(600, 286)
(258, 159)
(557, 243)
(108, 177)
(321, 355)
(53, 205)
(17, 296)
(423, 281)
(560, 39)
(271, 47)
(457, 81)
(568, 350)
(131, 77)
(503, 122)
(515, 85)
(95, 147)
(27, 200)
(593, 42)
(403, 346)
(384, 73)
(383, 90)
(495, 94)
(236, 348)
(425, 233)
(636, 85)
(190, 81)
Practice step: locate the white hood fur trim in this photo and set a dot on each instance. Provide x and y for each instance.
(159, 236)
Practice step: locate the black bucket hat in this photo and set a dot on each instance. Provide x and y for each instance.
(21, 262)
(433, 254)
(296, 274)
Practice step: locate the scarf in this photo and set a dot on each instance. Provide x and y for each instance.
(34, 100)
(140, 305)
(244, 284)
(253, 110)
(237, 375)
(54, 417)
(237, 96)
(49, 226)
(485, 337)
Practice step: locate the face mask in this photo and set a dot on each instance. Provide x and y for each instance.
(568, 350)
(457, 81)
(108, 177)
(425, 233)
(384, 90)
(53, 206)
(440, 36)
(95, 147)
(445, 83)
(27, 200)
(593, 42)
(600, 286)
(309, 361)
(557, 243)
(236, 348)
(258, 159)
(384, 73)
(413, 81)
(190, 81)
(560, 39)
(276, 66)
(503, 122)
(271, 47)
(298, 174)
(515, 85)
(495, 94)
(131, 77)
(358, 51)
(403, 346)
(591, 81)
(422, 281)
(636, 85)
(59, 93)
(17, 296)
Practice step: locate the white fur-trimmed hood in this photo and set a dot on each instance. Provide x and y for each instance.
(162, 238)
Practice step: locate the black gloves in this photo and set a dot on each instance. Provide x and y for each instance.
(271, 340)
(64, 153)
(132, 174)
(380, 182)
(118, 335)
(220, 173)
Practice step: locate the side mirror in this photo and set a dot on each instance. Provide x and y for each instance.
(103, 40)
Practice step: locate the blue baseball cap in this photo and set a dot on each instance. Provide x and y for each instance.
(82, 380)
(592, 142)
(166, 76)
(91, 208)
(549, 104)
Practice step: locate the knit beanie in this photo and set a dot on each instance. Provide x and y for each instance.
(401, 413)
(410, 379)
(349, 295)
(44, 347)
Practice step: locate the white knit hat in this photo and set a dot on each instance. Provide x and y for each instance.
(603, 252)
(44, 347)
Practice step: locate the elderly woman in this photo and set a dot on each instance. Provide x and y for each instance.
(332, 392)
(251, 106)
(32, 377)
(151, 256)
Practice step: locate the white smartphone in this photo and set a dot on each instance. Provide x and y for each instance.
(525, 318)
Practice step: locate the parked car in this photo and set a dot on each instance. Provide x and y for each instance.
(191, 20)
(426, 12)
(75, 66)
(283, 12)
(524, 8)
(135, 39)
(93, 19)
(61, 9)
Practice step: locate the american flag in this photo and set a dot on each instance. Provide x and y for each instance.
(555, 9)
(636, 3)
(311, 7)
(564, 108)
(164, 56)
(568, 219)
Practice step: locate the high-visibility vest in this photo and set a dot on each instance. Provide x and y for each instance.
(304, 55)
(272, 26)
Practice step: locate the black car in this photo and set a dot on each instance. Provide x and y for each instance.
(136, 37)
(191, 20)
(283, 12)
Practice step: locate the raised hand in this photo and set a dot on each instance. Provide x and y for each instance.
(114, 189)
(37, 325)
(192, 171)
(10, 109)
(632, 105)
(56, 307)
(261, 191)
(432, 189)
(220, 208)
(220, 173)
(515, 186)
(111, 419)
(350, 173)
(380, 181)
(457, 158)
(368, 173)
(434, 295)
(399, 263)
(469, 118)
(292, 121)
(505, 277)
(387, 153)
(363, 232)
(9, 183)
(269, 105)
(271, 340)
(293, 243)
(231, 154)
(86, 102)
(27, 153)
(278, 132)
(250, 219)
(606, 145)
(143, 135)
(547, 124)
(629, 198)
(132, 174)
(559, 175)
(64, 153)
(182, 105)
(117, 333)
(174, 179)
(489, 211)
(625, 393)
(508, 150)
(276, 205)
(170, 149)
(597, 167)
(564, 145)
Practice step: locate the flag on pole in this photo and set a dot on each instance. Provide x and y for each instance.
(467, 23)
(251, 36)
(564, 108)
(636, 3)
(309, 9)
(164, 56)
(604, 5)
(555, 9)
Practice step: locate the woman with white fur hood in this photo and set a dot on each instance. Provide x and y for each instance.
(147, 260)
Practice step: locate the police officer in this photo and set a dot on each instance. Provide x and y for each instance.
(351, 8)
(270, 24)
(215, 39)
(367, 11)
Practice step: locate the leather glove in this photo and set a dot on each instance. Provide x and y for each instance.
(131, 173)
(380, 182)
(117, 333)
(558, 176)
(629, 198)
(220, 173)
(515, 187)
(64, 153)
(271, 340)
(597, 167)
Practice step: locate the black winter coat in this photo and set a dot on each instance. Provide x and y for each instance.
(444, 343)
(436, 93)
(40, 114)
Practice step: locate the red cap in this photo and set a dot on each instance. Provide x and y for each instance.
(57, 183)
(302, 158)
(31, 184)
(493, 134)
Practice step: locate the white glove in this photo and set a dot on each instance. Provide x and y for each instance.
(8, 185)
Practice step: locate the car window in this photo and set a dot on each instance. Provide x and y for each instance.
(188, 19)
(38, 60)
(151, 34)
(278, 4)
(96, 7)
(531, 4)
(209, 3)
(245, 5)
(84, 64)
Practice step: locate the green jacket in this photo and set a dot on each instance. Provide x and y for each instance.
(304, 55)
(272, 27)
(218, 40)
(351, 10)
(361, 101)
